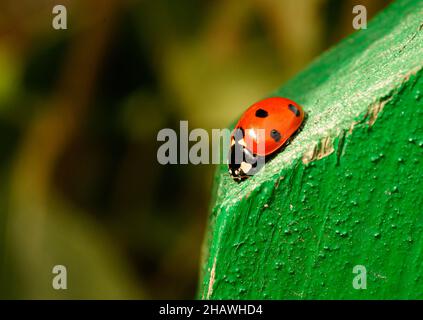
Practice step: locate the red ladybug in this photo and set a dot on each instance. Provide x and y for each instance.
(262, 130)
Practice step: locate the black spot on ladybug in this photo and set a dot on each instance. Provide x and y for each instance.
(261, 113)
(294, 110)
(275, 134)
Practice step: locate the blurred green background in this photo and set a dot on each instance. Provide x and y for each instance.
(80, 109)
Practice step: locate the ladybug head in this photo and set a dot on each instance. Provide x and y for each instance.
(242, 162)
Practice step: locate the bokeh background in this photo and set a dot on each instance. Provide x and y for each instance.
(80, 109)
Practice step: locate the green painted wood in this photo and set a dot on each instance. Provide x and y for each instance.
(348, 191)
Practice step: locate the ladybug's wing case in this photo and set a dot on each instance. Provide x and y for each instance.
(284, 123)
(278, 117)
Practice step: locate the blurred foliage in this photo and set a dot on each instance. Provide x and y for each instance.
(79, 113)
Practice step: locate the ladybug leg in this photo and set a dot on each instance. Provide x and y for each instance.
(288, 142)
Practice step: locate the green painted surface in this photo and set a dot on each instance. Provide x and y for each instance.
(348, 191)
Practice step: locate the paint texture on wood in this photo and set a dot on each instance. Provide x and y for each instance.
(348, 191)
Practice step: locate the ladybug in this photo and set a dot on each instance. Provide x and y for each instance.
(263, 129)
